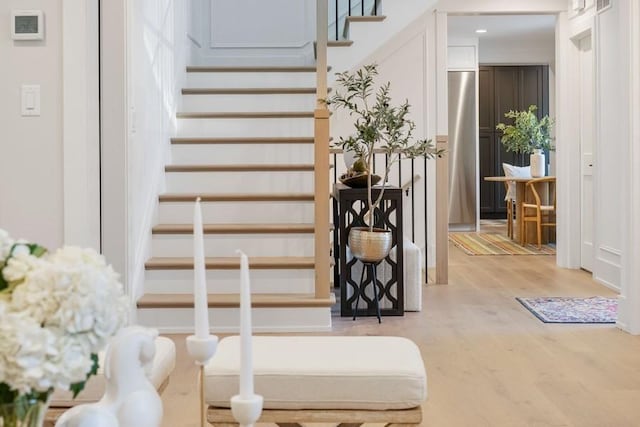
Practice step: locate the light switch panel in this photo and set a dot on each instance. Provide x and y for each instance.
(30, 100)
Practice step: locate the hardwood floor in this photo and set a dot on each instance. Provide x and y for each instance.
(489, 361)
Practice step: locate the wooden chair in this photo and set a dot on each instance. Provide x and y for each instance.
(510, 203)
(540, 197)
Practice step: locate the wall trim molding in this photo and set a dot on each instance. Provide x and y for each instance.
(81, 123)
(610, 250)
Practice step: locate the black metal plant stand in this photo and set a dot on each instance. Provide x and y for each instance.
(350, 210)
(371, 268)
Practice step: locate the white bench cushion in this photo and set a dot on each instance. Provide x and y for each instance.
(322, 372)
(163, 364)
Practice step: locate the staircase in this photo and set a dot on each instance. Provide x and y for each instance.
(245, 146)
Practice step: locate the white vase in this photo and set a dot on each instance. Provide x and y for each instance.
(537, 162)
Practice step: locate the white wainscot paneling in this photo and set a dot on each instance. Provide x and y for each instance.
(242, 23)
(608, 267)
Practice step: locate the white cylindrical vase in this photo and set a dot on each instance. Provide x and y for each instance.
(537, 162)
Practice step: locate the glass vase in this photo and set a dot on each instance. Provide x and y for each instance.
(24, 413)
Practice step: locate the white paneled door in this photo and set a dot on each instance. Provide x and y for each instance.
(586, 151)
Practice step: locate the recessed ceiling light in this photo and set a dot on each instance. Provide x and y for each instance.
(481, 31)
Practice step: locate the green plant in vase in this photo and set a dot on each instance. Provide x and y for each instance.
(528, 135)
(380, 127)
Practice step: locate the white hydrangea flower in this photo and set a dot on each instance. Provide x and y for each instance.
(91, 298)
(71, 363)
(21, 248)
(67, 307)
(6, 242)
(19, 265)
(25, 347)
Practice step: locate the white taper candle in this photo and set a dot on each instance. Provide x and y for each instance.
(201, 308)
(246, 351)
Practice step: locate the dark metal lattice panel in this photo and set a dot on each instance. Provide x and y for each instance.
(350, 209)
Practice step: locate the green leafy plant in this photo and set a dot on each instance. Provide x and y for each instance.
(380, 127)
(527, 132)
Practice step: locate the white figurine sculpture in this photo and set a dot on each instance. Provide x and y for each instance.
(130, 400)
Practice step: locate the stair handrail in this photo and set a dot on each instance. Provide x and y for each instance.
(322, 255)
(357, 6)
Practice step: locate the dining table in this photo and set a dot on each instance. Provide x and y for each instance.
(521, 197)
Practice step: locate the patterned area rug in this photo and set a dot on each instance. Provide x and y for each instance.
(572, 310)
(495, 244)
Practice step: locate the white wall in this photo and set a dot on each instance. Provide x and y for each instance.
(520, 52)
(31, 177)
(225, 32)
(404, 61)
(158, 55)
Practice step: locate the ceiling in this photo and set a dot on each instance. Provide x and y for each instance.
(513, 28)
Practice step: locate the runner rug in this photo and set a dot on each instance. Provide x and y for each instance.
(495, 244)
(572, 310)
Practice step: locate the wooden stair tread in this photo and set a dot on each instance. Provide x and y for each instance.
(251, 69)
(246, 115)
(366, 18)
(250, 91)
(233, 301)
(232, 263)
(241, 168)
(235, 228)
(250, 140)
(237, 197)
(339, 43)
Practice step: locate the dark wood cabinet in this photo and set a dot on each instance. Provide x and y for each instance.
(501, 89)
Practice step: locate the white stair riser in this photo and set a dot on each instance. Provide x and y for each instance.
(240, 182)
(278, 127)
(225, 245)
(253, 102)
(227, 320)
(243, 80)
(230, 154)
(238, 212)
(228, 281)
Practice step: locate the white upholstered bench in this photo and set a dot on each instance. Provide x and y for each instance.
(323, 379)
(163, 364)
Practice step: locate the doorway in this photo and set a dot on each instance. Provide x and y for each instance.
(502, 89)
(585, 52)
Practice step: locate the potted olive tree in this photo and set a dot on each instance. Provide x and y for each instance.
(528, 135)
(380, 126)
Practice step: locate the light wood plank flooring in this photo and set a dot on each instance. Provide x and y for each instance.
(489, 361)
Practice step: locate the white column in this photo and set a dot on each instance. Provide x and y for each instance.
(442, 131)
(629, 301)
(115, 241)
(81, 140)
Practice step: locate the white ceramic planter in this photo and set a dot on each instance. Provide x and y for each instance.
(537, 162)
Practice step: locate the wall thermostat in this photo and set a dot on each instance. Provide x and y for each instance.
(27, 25)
